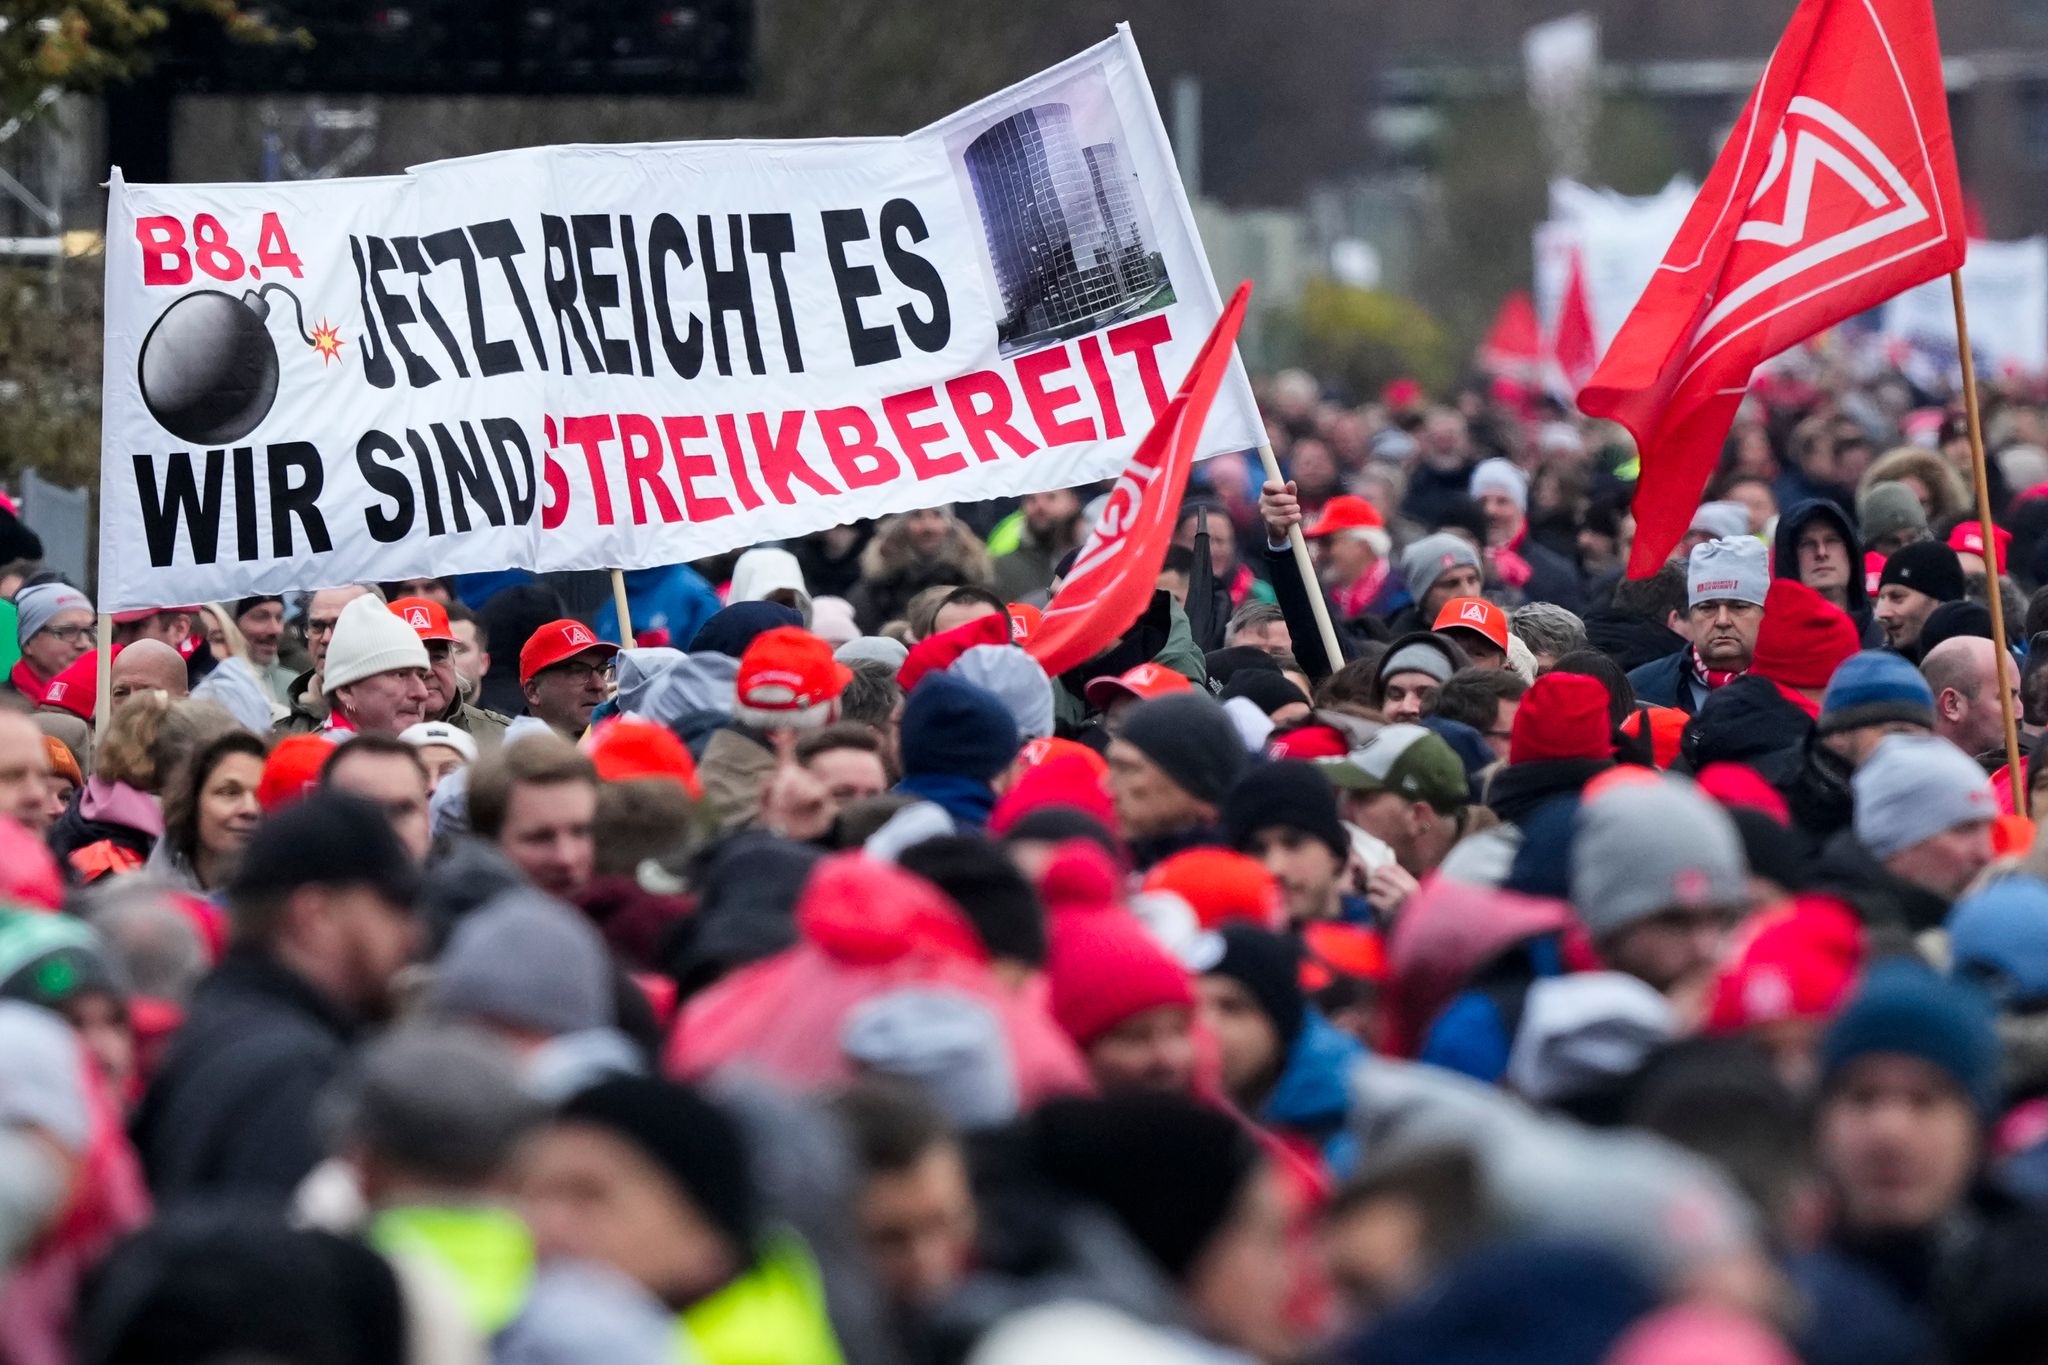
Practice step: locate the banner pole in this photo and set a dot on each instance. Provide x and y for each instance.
(1307, 565)
(1993, 597)
(103, 688)
(625, 612)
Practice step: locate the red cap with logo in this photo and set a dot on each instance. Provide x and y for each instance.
(554, 643)
(1475, 614)
(428, 618)
(788, 680)
(1345, 512)
(1144, 682)
(1968, 538)
(1024, 619)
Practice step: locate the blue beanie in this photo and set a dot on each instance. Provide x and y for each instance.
(1903, 1007)
(951, 728)
(1873, 688)
(1998, 939)
(729, 630)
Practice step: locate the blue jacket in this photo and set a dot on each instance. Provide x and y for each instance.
(674, 598)
(1667, 682)
(1313, 1095)
(1476, 1031)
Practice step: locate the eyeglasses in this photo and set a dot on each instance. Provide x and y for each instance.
(582, 671)
(70, 635)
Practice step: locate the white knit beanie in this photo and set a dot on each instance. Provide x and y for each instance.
(369, 638)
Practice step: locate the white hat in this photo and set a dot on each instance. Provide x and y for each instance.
(370, 638)
(440, 732)
(1736, 569)
(1500, 476)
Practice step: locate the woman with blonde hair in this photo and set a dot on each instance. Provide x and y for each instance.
(1937, 485)
(115, 820)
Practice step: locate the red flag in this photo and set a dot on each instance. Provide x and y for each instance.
(1113, 577)
(1837, 190)
(1575, 346)
(1513, 347)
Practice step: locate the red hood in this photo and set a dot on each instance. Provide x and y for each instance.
(863, 912)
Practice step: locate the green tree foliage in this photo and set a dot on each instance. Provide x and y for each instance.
(1363, 337)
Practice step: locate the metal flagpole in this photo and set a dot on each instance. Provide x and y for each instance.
(1993, 598)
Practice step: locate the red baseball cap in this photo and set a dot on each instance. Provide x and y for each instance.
(428, 618)
(787, 680)
(1037, 753)
(629, 749)
(554, 643)
(1310, 741)
(1144, 682)
(1345, 512)
(1477, 615)
(1024, 619)
(1968, 538)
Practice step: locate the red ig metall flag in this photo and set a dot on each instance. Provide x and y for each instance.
(1114, 575)
(1837, 189)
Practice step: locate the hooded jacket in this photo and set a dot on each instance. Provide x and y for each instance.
(1785, 560)
(892, 571)
(1749, 721)
(1312, 1098)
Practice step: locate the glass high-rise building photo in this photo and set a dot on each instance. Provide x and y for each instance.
(1063, 228)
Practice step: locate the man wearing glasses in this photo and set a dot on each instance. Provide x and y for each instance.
(54, 625)
(565, 672)
(308, 693)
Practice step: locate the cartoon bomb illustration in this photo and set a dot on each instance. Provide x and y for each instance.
(208, 369)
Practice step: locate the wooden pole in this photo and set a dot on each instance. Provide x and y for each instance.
(625, 612)
(103, 691)
(1307, 565)
(1994, 598)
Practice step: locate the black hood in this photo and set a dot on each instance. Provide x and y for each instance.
(1785, 552)
(1630, 640)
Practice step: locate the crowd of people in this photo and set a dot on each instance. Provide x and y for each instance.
(1563, 968)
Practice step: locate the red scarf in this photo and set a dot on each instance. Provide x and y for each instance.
(1357, 599)
(24, 679)
(1713, 679)
(1509, 569)
(336, 723)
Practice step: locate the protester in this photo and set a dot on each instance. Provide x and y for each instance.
(306, 695)
(1916, 580)
(322, 921)
(390, 774)
(1285, 815)
(536, 800)
(210, 814)
(1172, 761)
(562, 672)
(1964, 675)
(447, 690)
(54, 628)
(1726, 583)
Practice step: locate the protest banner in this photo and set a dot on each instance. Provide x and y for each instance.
(622, 356)
(2005, 285)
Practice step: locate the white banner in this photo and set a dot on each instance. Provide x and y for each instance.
(1619, 239)
(592, 356)
(2005, 289)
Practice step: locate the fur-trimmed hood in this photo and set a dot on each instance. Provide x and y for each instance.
(891, 555)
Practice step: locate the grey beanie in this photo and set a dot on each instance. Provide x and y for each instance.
(35, 607)
(1016, 680)
(950, 1044)
(1725, 520)
(528, 961)
(1649, 847)
(880, 648)
(1418, 658)
(1885, 509)
(1425, 561)
(1914, 787)
(443, 1103)
(1191, 739)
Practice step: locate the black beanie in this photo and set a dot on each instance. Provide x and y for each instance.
(1925, 566)
(980, 878)
(1286, 793)
(1265, 688)
(330, 838)
(1954, 620)
(1057, 824)
(1171, 1171)
(690, 1138)
(1223, 665)
(248, 604)
(1187, 735)
(1269, 966)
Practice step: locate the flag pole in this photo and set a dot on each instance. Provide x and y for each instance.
(1993, 597)
(103, 689)
(1303, 562)
(625, 612)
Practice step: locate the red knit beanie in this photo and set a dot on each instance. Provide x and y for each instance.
(1101, 966)
(936, 652)
(1794, 962)
(1563, 716)
(1804, 637)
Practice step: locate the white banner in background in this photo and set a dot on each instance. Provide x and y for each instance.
(592, 356)
(1620, 238)
(2005, 289)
